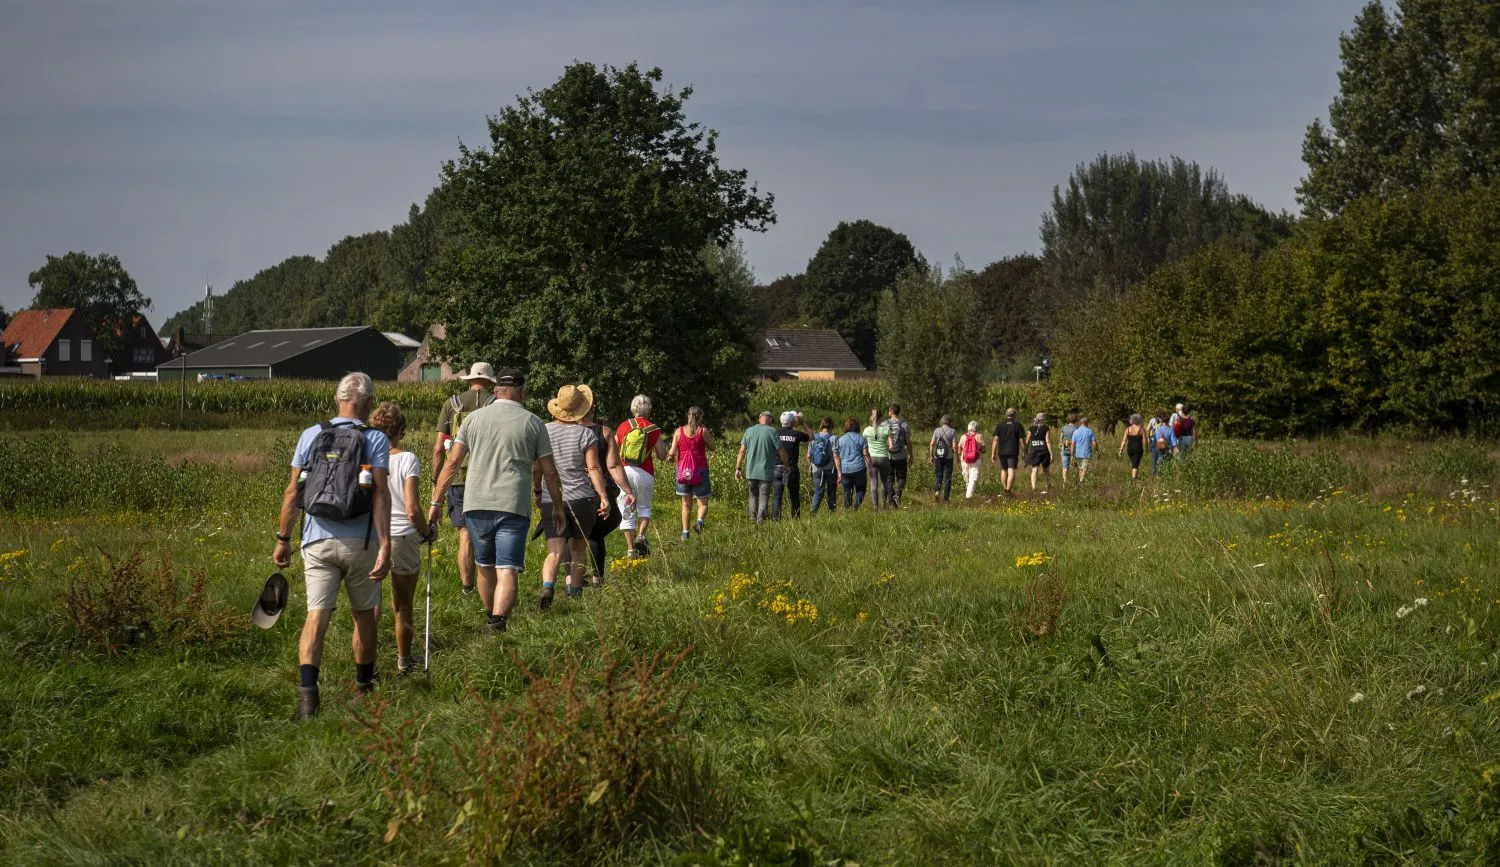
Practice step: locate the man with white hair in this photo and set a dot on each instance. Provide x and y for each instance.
(480, 393)
(640, 445)
(788, 473)
(760, 454)
(339, 480)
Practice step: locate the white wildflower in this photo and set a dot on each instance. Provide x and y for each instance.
(1416, 691)
(1356, 698)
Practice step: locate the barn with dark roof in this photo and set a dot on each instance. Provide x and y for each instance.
(292, 353)
(806, 353)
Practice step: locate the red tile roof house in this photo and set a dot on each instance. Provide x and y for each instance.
(54, 342)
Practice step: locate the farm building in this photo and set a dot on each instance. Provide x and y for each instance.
(292, 353)
(143, 349)
(807, 354)
(53, 342)
(425, 366)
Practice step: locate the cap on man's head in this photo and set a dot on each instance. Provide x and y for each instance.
(766, 413)
(788, 417)
(510, 377)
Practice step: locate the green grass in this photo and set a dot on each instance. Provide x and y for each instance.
(1193, 703)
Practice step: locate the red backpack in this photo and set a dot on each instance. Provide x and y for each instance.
(971, 448)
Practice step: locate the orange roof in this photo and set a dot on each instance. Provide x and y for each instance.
(31, 332)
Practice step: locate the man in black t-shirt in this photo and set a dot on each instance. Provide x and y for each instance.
(1005, 448)
(788, 473)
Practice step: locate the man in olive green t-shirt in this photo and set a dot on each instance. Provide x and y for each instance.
(760, 452)
(480, 393)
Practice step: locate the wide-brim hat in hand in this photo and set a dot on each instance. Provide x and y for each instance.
(271, 603)
(572, 403)
(480, 370)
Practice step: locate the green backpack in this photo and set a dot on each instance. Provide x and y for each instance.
(636, 448)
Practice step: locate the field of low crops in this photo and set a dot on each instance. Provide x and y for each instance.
(1271, 654)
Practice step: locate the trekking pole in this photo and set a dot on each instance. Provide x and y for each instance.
(427, 629)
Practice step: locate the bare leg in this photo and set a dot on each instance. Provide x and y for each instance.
(686, 506)
(403, 588)
(487, 587)
(554, 559)
(466, 567)
(580, 549)
(310, 646)
(642, 524)
(505, 590)
(702, 509)
(364, 636)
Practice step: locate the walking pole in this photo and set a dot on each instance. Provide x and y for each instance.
(427, 629)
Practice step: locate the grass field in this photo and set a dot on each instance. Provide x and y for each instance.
(1281, 655)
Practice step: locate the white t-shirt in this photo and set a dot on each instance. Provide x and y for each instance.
(404, 465)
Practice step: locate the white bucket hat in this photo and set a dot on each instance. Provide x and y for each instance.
(480, 370)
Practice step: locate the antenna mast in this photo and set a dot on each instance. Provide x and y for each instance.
(208, 309)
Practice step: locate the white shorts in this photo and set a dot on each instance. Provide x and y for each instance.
(645, 488)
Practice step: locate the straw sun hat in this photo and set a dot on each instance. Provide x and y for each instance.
(572, 403)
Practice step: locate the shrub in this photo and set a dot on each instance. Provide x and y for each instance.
(122, 603)
(566, 767)
(1226, 468)
(1455, 462)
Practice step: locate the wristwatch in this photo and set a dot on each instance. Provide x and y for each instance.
(281, 538)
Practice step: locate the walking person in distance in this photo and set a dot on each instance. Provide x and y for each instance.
(1184, 428)
(480, 393)
(1133, 444)
(898, 446)
(760, 455)
(502, 441)
(789, 472)
(409, 529)
(821, 457)
(971, 456)
(874, 435)
(1005, 448)
(940, 455)
(691, 444)
(640, 446)
(339, 480)
(617, 491)
(1039, 449)
(584, 497)
(851, 460)
(1084, 443)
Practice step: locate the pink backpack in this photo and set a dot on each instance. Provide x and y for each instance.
(971, 449)
(689, 470)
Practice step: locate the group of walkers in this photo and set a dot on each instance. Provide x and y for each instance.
(357, 489)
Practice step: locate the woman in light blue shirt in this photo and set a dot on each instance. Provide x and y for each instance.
(851, 458)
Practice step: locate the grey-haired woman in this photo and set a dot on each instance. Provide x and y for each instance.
(1133, 443)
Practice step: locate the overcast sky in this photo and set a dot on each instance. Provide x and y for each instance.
(203, 141)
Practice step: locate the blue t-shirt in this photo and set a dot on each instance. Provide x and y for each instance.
(1164, 432)
(377, 455)
(851, 452)
(1083, 443)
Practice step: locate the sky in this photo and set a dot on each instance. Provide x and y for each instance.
(202, 141)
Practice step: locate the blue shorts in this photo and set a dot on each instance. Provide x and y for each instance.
(1067, 460)
(499, 538)
(703, 490)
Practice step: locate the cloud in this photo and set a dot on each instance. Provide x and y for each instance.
(206, 141)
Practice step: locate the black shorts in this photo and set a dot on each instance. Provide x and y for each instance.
(1039, 458)
(1009, 462)
(579, 517)
(456, 507)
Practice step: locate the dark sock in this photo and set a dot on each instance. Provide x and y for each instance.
(364, 672)
(309, 675)
(547, 584)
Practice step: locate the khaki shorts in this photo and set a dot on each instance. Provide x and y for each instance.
(327, 563)
(406, 554)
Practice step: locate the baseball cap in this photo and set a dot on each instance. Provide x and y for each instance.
(788, 417)
(510, 376)
(271, 602)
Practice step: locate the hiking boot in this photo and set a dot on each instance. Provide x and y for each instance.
(546, 600)
(307, 703)
(641, 549)
(496, 624)
(686, 535)
(407, 664)
(698, 526)
(364, 687)
(469, 589)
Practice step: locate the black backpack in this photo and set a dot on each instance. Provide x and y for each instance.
(332, 489)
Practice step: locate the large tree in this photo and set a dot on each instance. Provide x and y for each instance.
(1418, 105)
(778, 303)
(1005, 300)
(99, 287)
(855, 265)
(1120, 218)
(932, 347)
(581, 258)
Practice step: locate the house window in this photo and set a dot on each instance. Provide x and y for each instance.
(145, 332)
(143, 355)
(85, 351)
(64, 350)
(771, 342)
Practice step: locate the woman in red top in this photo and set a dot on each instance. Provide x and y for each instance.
(690, 446)
(641, 470)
